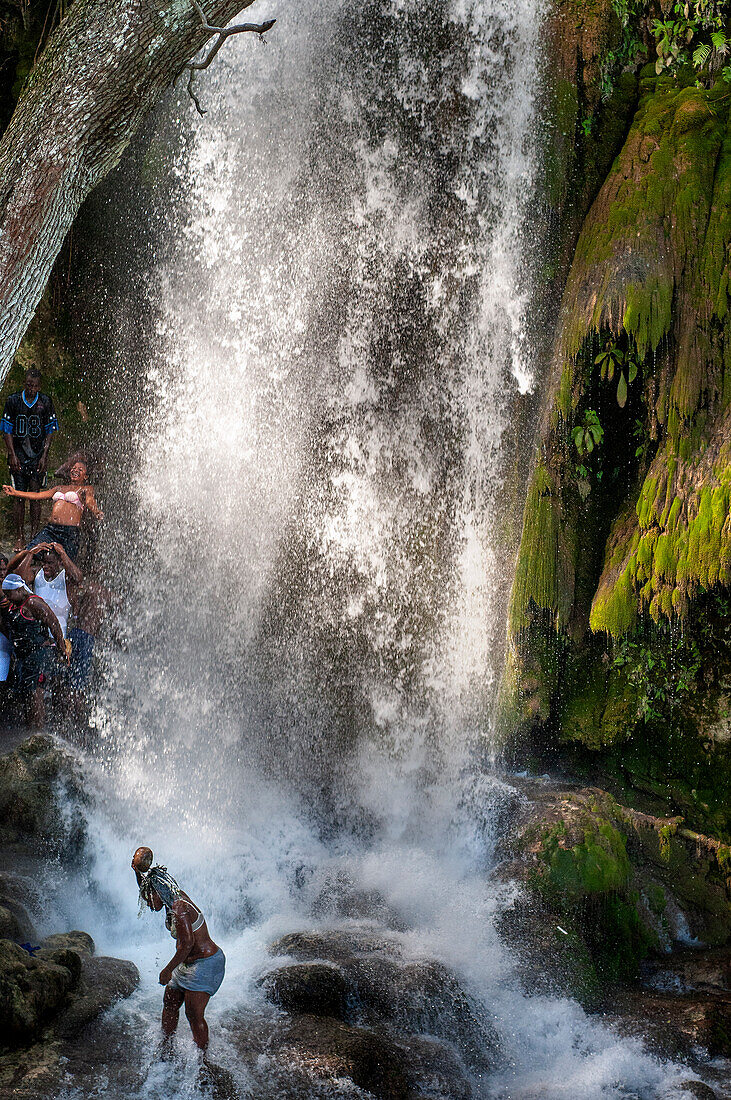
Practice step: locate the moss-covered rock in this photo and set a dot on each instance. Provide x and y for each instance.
(40, 793)
(609, 885)
(31, 991)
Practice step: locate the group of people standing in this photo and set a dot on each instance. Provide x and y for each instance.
(50, 610)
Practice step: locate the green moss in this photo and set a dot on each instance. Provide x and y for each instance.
(596, 865)
(543, 572)
(680, 546)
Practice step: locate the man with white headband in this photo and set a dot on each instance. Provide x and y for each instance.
(28, 619)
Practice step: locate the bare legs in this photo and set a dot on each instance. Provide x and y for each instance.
(19, 517)
(35, 517)
(19, 522)
(171, 1003)
(195, 1007)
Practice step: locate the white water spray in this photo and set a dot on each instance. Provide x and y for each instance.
(313, 626)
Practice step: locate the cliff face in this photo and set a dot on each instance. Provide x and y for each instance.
(620, 642)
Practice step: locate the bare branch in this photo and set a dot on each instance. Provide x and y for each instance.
(191, 77)
(223, 34)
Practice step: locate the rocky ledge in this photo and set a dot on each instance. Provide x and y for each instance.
(626, 911)
(357, 1011)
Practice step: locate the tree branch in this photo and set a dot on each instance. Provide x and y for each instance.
(104, 66)
(223, 34)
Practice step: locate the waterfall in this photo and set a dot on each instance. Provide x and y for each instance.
(300, 684)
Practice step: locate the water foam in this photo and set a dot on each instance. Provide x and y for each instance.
(313, 625)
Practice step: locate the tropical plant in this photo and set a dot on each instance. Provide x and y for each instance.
(614, 359)
(694, 34)
(589, 434)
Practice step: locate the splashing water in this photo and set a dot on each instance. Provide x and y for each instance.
(314, 561)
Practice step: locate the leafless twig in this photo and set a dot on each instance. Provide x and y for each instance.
(223, 33)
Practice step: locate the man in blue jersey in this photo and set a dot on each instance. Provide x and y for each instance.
(28, 423)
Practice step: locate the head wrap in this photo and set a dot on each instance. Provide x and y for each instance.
(164, 885)
(13, 580)
(166, 888)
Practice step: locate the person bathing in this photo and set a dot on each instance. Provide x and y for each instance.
(49, 572)
(69, 502)
(195, 972)
(28, 620)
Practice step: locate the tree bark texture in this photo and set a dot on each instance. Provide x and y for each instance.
(103, 69)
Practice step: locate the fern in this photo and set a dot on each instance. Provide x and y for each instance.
(720, 42)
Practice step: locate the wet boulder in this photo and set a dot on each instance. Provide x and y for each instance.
(102, 982)
(32, 990)
(295, 1055)
(330, 1049)
(319, 989)
(76, 940)
(373, 984)
(607, 887)
(58, 989)
(335, 944)
(40, 784)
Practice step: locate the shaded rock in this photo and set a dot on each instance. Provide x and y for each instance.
(334, 944)
(63, 988)
(319, 989)
(340, 898)
(38, 780)
(103, 982)
(551, 962)
(31, 991)
(376, 985)
(690, 972)
(697, 1089)
(63, 956)
(623, 884)
(423, 996)
(677, 1025)
(435, 1070)
(327, 1049)
(75, 941)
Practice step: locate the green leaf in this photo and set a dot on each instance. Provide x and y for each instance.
(720, 42)
(622, 391)
(701, 55)
(631, 370)
(589, 442)
(610, 371)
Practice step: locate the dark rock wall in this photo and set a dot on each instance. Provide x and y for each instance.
(619, 645)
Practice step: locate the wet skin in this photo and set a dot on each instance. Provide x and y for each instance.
(31, 388)
(190, 946)
(63, 512)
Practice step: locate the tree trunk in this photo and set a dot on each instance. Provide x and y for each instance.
(103, 69)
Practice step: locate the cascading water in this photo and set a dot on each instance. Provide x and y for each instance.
(300, 692)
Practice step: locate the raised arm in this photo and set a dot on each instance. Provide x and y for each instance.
(22, 561)
(45, 494)
(73, 572)
(91, 503)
